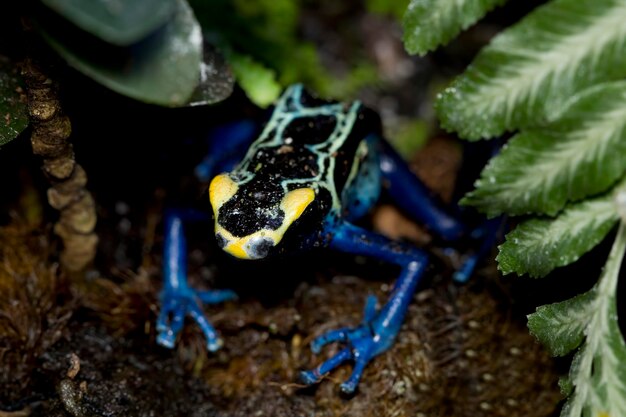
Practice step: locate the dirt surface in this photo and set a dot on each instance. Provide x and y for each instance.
(87, 347)
(460, 353)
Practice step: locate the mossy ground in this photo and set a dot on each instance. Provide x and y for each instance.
(87, 347)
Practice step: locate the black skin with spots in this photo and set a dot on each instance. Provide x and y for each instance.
(255, 206)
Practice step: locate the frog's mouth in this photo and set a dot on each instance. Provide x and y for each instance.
(254, 246)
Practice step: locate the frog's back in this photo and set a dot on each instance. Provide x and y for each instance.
(309, 142)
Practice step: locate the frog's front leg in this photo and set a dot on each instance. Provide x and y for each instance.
(379, 327)
(178, 299)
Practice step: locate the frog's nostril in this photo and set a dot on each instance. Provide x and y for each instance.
(221, 242)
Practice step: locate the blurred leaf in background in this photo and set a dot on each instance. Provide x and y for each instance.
(162, 68)
(13, 103)
(120, 22)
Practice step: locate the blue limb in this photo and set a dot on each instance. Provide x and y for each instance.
(341, 335)
(412, 195)
(379, 328)
(178, 299)
(490, 231)
(486, 234)
(227, 146)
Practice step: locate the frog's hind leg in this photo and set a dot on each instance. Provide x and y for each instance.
(412, 195)
(379, 327)
(178, 299)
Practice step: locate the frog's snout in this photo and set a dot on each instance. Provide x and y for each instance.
(250, 247)
(258, 248)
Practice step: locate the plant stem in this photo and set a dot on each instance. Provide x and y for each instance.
(51, 129)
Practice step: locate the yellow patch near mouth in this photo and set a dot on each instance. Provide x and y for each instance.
(237, 249)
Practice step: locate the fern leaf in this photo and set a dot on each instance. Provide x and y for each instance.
(537, 246)
(258, 81)
(598, 373)
(560, 326)
(581, 153)
(526, 74)
(430, 23)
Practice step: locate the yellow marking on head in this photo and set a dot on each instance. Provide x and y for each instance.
(603, 414)
(236, 249)
(295, 202)
(222, 188)
(293, 205)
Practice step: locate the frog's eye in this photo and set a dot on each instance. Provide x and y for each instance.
(222, 188)
(295, 202)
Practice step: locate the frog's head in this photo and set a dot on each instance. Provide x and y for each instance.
(251, 219)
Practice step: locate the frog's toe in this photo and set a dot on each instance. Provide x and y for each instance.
(212, 338)
(178, 304)
(340, 335)
(313, 376)
(346, 333)
(170, 322)
(363, 345)
(216, 296)
(166, 338)
(352, 383)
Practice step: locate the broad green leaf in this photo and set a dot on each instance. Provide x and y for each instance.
(13, 105)
(582, 152)
(620, 202)
(120, 22)
(164, 70)
(527, 72)
(598, 373)
(430, 23)
(560, 326)
(258, 81)
(539, 245)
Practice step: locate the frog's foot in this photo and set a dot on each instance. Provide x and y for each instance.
(180, 302)
(372, 337)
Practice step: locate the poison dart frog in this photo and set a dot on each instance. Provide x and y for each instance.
(316, 168)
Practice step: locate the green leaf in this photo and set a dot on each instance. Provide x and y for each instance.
(258, 81)
(13, 103)
(582, 152)
(598, 373)
(430, 23)
(560, 326)
(526, 74)
(164, 70)
(120, 22)
(395, 8)
(539, 245)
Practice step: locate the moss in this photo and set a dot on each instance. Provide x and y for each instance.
(35, 307)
